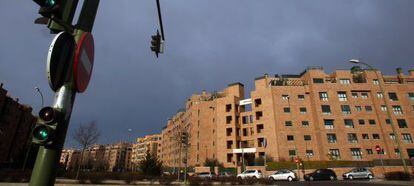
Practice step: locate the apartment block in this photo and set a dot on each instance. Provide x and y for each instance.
(16, 122)
(313, 115)
(144, 145)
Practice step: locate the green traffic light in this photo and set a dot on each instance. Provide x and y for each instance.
(50, 3)
(41, 133)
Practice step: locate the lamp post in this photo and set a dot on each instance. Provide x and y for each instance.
(31, 131)
(357, 61)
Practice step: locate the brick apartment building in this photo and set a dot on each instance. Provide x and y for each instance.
(142, 146)
(312, 115)
(16, 121)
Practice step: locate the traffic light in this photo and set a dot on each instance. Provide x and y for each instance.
(49, 8)
(57, 14)
(45, 129)
(184, 137)
(156, 44)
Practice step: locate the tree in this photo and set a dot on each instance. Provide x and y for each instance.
(150, 165)
(213, 163)
(85, 135)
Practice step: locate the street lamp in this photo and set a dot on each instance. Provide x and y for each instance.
(357, 61)
(29, 140)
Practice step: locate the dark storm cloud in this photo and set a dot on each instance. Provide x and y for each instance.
(209, 45)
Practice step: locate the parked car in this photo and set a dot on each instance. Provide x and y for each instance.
(358, 173)
(320, 174)
(206, 175)
(252, 173)
(224, 175)
(283, 174)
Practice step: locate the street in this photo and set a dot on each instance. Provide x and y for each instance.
(282, 183)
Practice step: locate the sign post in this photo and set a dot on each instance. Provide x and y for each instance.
(379, 152)
(65, 87)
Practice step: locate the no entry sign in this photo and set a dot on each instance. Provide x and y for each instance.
(83, 62)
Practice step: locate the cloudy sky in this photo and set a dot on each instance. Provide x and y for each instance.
(209, 45)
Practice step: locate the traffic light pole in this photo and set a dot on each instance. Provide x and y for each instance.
(47, 161)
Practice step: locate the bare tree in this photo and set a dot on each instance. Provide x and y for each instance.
(85, 135)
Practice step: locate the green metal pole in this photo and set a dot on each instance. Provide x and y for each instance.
(47, 161)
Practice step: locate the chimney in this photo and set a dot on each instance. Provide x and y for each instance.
(17, 100)
(411, 72)
(1, 85)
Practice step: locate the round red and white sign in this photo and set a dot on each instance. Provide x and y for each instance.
(83, 63)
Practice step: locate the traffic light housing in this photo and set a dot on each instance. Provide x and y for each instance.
(49, 8)
(184, 137)
(46, 126)
(156, 44)
(57, 14)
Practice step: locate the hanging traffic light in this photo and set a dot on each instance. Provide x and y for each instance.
(184, 137)
(156, 44)
(45, 129)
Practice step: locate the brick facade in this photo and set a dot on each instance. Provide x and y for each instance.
(312, 115)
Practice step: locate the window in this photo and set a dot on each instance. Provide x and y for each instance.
(305, 123)
(286, 110)
(346, 109)
(365, 136)
(375, 81)
(345, 81)
(323, 96)
(402, 123)
(364, 95)
(326, 109)
(397, 110)
(368, 108)
(257, 102)
(354, 95)
(380, 95)
(331, 138)
(383, 108)
(392, 136)
(229, 131)
(307, 137)
(397, 151)
(349, 123)
(292, 153)
(335, 154)
(375, 136)
(329, 123)
(245, 119)
(369, 151)
(317, 80)
(285, 97)
(411, 96)
(229, 144)
(288, 123)
(371, 122)
(342, 96)
(301, 97)
(352, 138)
(309, 153)
(259, 128)
(228, 107)
(393, 96)
(259, 114)
(387, 121)
(302, 110)
(407, 138)
(361, 122)
(356, 153)
(358, 108)
(228, 119)
(290, 138)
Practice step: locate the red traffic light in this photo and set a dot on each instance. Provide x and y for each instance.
(49, 114)
(378, 148)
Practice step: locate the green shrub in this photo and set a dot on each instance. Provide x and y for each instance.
(397, 175)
